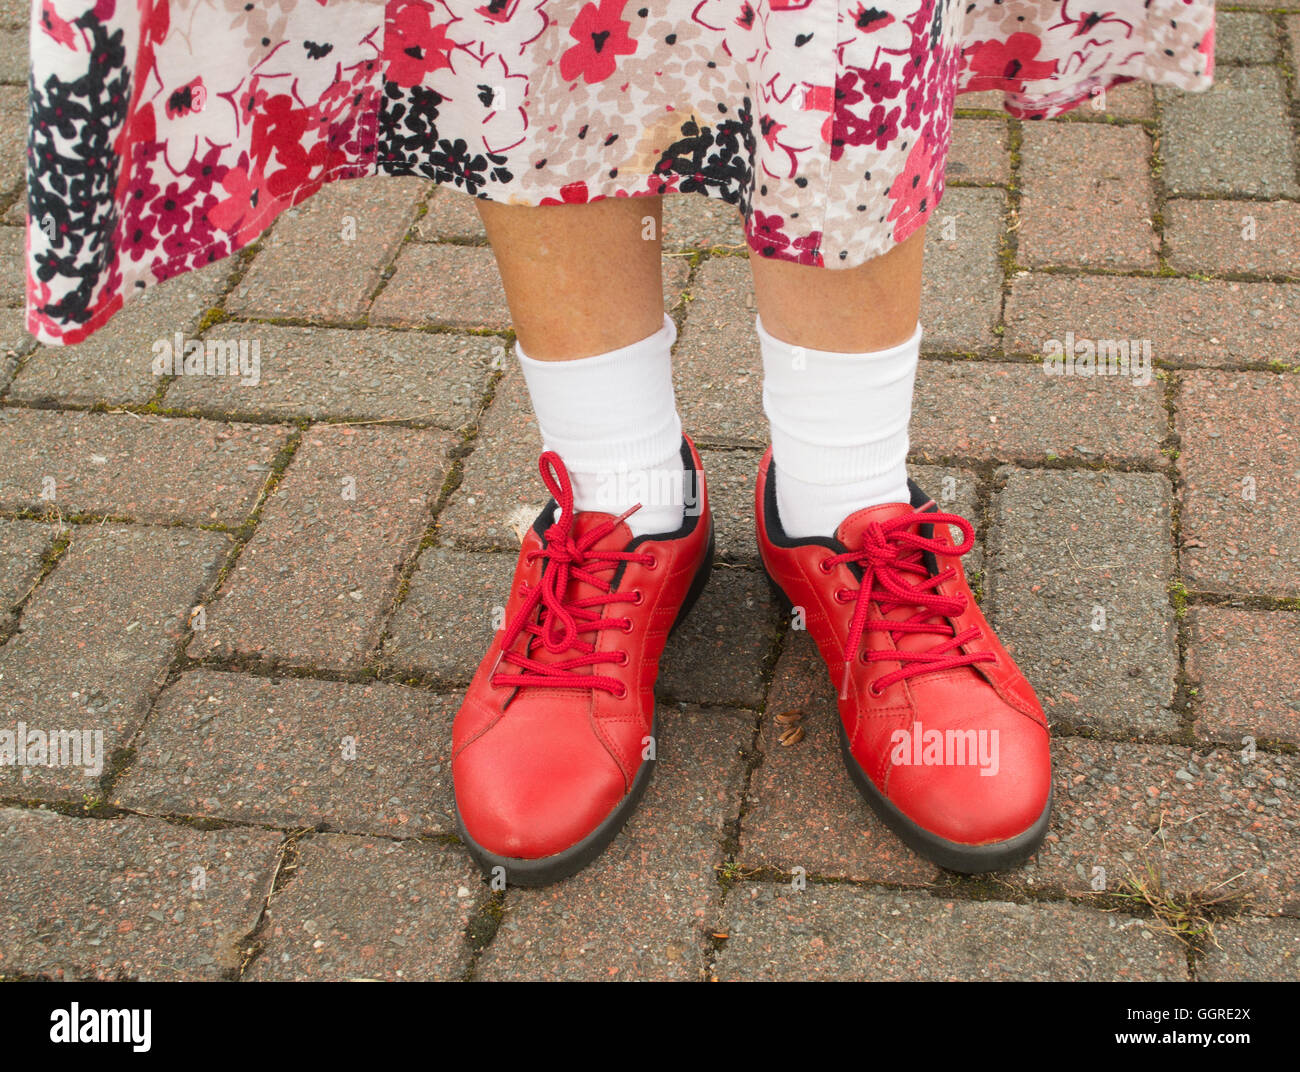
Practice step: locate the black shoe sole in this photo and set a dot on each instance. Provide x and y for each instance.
(952, 855)
(546, 870)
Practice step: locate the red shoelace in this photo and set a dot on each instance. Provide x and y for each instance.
(563, 619)
(891, 552)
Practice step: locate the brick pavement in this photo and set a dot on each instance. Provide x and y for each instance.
(268, 595)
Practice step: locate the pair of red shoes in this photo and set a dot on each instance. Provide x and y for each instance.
(554, 744)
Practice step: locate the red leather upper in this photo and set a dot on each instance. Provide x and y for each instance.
(537, 768)
(953, 800)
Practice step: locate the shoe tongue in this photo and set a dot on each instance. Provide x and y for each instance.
(852, 527)
(615, 540)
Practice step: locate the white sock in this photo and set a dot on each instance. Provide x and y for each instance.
(612, 418)
(839, 429)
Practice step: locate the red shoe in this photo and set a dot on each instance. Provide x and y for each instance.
(552, 747)
(939, 729)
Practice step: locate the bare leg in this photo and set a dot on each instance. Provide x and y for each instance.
(579, 279)
(852, 310)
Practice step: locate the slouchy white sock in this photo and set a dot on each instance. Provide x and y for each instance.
(839, 429)
(612, 418)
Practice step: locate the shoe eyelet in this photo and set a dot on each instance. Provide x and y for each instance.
(653, 564)
(621, 694)
(874, 692)
(841, 595)
(638, 597)
(622, 659)
(824, 565)
(627, 625)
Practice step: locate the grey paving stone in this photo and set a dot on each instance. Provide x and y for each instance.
(718, 654)
(314, 584)
(1246, 666)
(13, 136)
(1232, 236)
(978, 154)
(1241, 37)
(1240, 502)
(1005, 411)
(23, 546)
(13, 265)
(452, 612)
(803, 810)
(293, 752)
(961, 292)
(15, 342)
(128, 897)
(1186, 321)
(126, 465)
(116, 364)
(361, 375)
(644, 909)
(848, 933)
(94, 638)
(362, 908)
(693, 221)
(451, 215)
(1267, 950)
(323, 259)
(1079, 569)
(730, 476)
(1234, 138)
(13, 57)
(1210, 824)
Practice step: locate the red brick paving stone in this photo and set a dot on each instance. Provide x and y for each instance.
(451, 215)
(1188, 321)
(1086, 196)
(460, 287)
(13, 278)
(100, 899)
(310, 267)
(1243, 38)
(803, 809)
(1233, 139)
(849, 933)
(718, 654)
(364, 375)
(1252, 949)
(1236, 427)
(961, 292)
(1129, 100)
(1004, 410)
(94, 638)
(693, 221)
(115, 364)
(1293, 38)
(315, 582)
(1247, 672)
(979, 152)
(644, 909)
(1062, 545)
(23, 546)
(14, 343)
(13, 136)
(363, 908)
(717, 368)
(1233, 236)
(1200, 820)
(451, 614)
(127, 465)
(273, 751)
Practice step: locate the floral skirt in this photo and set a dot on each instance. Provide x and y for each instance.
(166, 134)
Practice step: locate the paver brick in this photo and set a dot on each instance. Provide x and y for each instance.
(23, 547)
(363, 908)
(116, 364)
(694, 222)
(644, 909)
(93, 639)
(124, 465)
(1238, 462)
(1086, 196)
(1234, 236)
(1252, 949)
(371, 758)
(361, 375)
(1006, 411)
(1186, 321)
(317, 578)
(1212, 824)
(130, 897)
(13, 136)
(1080, 565)
(1241, 37)
(1246, 667)
(324, 258)
(13, 266)
(451, 215)
(849, 933)
(1234, 138)
(978, 154)
(961, 290)
(13, 57)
